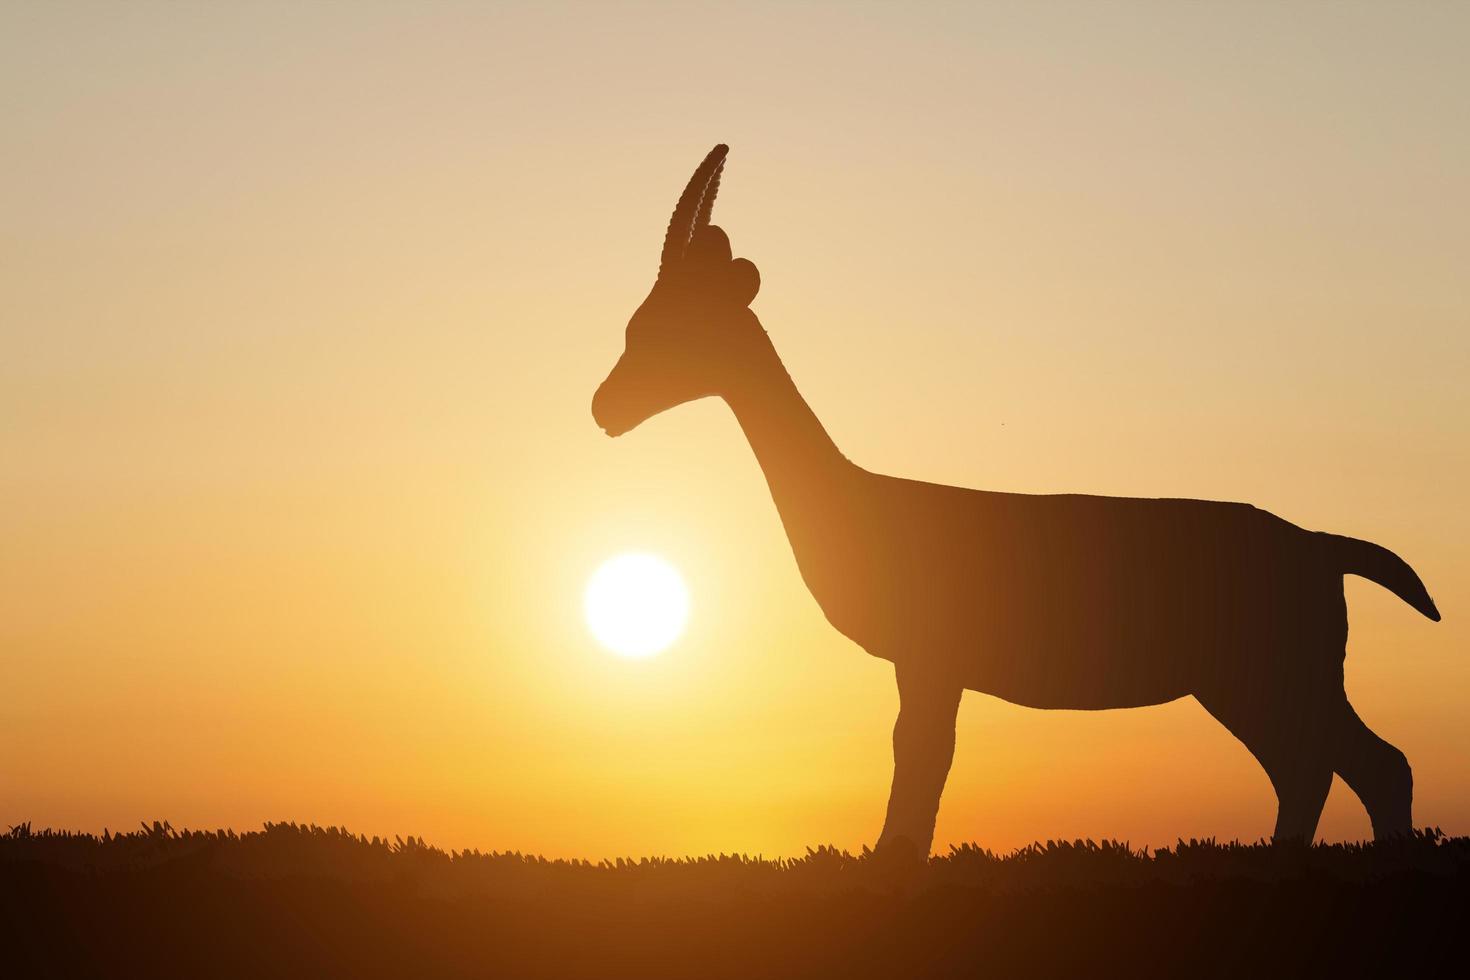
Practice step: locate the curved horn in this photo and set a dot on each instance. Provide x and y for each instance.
(693, 210)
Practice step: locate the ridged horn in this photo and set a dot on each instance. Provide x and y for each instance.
(693, 210)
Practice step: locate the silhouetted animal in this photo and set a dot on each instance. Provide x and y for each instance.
(1060, 601)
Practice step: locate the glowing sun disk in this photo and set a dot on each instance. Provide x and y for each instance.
(636, 604)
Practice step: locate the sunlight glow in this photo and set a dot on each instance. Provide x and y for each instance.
(636, 605)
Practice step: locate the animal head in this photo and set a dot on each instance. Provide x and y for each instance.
(691, 331)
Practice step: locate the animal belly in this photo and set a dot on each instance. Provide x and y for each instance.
(1085, 658)
(1055, 629)
(1077, 679)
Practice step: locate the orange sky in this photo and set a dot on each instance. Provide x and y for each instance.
(303, 308)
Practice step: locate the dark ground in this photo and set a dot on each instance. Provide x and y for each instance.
(305, 901)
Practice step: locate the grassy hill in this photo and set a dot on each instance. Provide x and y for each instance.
(292, 900)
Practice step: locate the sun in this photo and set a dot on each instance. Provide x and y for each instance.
(636, 604)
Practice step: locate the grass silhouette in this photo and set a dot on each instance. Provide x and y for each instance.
(295, 899)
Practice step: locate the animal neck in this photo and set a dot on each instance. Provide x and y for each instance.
(802, 465)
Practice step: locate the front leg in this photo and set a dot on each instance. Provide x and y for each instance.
(923, 747)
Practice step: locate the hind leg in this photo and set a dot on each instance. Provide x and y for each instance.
(1376, 771)
(1286, 735)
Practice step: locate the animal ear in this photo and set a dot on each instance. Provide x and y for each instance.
(693, 210)
(744, 281)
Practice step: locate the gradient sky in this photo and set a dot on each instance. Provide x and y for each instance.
(303, 307)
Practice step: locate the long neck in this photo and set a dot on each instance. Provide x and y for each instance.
(803, 467)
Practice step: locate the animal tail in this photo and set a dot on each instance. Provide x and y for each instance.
(1377, 564)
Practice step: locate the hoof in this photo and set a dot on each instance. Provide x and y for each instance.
(898, 850)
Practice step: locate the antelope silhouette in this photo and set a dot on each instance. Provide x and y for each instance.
(1050, 601)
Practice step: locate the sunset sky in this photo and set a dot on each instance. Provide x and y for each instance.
(303, 306)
